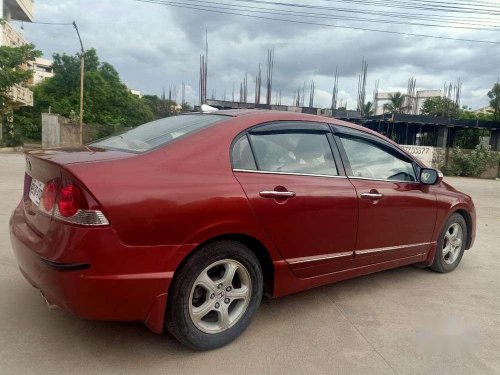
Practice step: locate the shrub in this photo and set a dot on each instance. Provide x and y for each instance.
(472, 163)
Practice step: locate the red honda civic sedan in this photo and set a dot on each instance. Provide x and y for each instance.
(185, 222)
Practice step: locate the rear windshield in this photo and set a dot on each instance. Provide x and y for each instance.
(157, 133)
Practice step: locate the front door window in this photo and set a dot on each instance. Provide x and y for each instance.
(371, 160)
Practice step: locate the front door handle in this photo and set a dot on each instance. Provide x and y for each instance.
(371, 196)
(277, 194)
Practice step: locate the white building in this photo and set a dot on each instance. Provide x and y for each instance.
(136, 92)
(20, 10)
(412, 105)
(483, 111)
(42, 69)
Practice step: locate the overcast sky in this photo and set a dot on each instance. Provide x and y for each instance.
(153, 46)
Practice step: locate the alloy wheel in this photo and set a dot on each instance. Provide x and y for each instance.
(220, 296)
(452, 244)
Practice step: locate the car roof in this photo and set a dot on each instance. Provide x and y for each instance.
(231, 112)
(276, 115)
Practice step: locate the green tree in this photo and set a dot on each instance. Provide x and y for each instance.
(494, 95)
(367, 109)
(11, 59)
(396, 103)
(467, 114)
(108, 104)
(186, 107)
(161, 107)
(440, 107)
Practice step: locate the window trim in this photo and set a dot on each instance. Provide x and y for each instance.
(233, 143)
(336, 130)
(291, 126)
(287, 173)
(370, 138)
(252, 148)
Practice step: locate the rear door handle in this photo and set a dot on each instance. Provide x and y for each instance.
(371, 196)
(277, 194)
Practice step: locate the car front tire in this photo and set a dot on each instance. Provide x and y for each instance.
(450, 245)
(214, 295)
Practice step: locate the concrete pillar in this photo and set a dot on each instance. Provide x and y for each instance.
(442, 139)
(50, 130)
(442, 142)
(58, 131)
(495, 140)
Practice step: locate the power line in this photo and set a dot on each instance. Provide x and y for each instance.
(471, 2)
(182, 5)
(454, 4)
(251, 9)
(426, 16)
(50, 23)
(422, 6)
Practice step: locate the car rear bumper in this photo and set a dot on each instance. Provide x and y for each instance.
(86, 289)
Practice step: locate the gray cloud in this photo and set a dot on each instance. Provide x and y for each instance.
(154, 46)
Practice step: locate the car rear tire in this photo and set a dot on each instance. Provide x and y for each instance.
(214, 295)
(450, 245)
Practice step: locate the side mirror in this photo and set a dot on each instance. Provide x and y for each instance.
(430, 176)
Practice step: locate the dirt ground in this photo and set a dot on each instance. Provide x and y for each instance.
(404, 321)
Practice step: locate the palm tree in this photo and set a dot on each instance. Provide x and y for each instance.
(367, 110)
(396, 104)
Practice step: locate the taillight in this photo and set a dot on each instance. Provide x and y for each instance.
(49, 196)
(76, 206)
(70, 199)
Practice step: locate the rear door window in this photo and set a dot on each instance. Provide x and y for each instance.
(293, 151)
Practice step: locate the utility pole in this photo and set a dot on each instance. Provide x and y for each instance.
(82, 66)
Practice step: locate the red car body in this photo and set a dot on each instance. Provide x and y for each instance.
(163, 204)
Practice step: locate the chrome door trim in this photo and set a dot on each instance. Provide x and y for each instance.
(301, 260)
(390, 248)
(320, 257)
(286, 173)
(381, 179)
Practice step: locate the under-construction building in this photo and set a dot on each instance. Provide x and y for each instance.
(412, 103)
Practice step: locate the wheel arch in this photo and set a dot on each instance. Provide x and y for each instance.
(255, 245)
(468, 221)
(460, 210)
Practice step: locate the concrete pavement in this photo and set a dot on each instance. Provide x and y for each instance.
(404, 321)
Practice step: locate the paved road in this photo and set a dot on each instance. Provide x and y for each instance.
(404, 321)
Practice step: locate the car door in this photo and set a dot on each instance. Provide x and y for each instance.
(397, 214)
(299, 192)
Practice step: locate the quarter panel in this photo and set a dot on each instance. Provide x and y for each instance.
(182, 194)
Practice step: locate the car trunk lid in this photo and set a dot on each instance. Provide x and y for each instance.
(44, 166)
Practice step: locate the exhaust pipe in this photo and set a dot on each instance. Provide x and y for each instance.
(50, 305)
